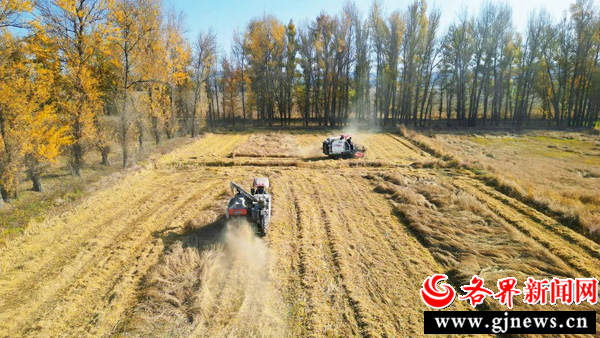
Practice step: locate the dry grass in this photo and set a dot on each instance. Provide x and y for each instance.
(62, 190)
(348, 247)
(468, 238)
(203, 218)
(219, 290)
(554, 172)
(278, 145)
(89, 259)
(440, 164)
(390, 149)
(422, 142)
(208, 147)
(348, 266)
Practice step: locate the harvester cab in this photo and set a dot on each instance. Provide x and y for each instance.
(254, 205)
(342, 147)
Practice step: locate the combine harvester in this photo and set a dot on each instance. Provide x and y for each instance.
(342, 147)
(254, 205)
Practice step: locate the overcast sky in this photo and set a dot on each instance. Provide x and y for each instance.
(225, 15)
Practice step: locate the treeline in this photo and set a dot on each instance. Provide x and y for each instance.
(78, 76)
(401, 68)
(83, 75)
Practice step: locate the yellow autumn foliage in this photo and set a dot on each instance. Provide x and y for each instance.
(10, 11)
(78, 32)
(34, 134)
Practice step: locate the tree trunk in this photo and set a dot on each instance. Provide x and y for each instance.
(124, 136)
(485, 99)
(104, 152)
(77, 159)
(193, 124)
(217, 97)
(307, 100)
(125, 155)
(156, 130)
(7, 197)
(243, 90)
(448, 108)
(4, 196)
(141, 135)
(36, 179)
(441, 107)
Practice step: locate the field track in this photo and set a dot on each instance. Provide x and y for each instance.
(349, 246)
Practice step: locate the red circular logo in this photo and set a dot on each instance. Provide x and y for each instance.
(434, 297)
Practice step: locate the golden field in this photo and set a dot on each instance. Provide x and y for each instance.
(349, 244)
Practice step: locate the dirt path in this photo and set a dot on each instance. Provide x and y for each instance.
(346, 253)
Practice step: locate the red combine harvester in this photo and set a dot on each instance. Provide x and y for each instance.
(254, 205)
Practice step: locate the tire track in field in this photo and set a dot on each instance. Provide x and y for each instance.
(301, 254)
(285, 239)
(300, 235)
(64, 259)
(380, 240)
(372, 252)
(123, 248)
(79, 264)
(547, 222)
(416, 150)
(575, 252)
(342, 259)
(82, 262)
(382, 263)
(211, 145)
(339, 276)
(101, 202)
(330, 312)
(385, 147)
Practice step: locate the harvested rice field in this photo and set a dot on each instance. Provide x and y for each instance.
(349, 245)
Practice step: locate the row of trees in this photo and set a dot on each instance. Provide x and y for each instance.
(400, 68)
(76, 75)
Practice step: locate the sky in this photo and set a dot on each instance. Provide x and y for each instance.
(223, 16)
